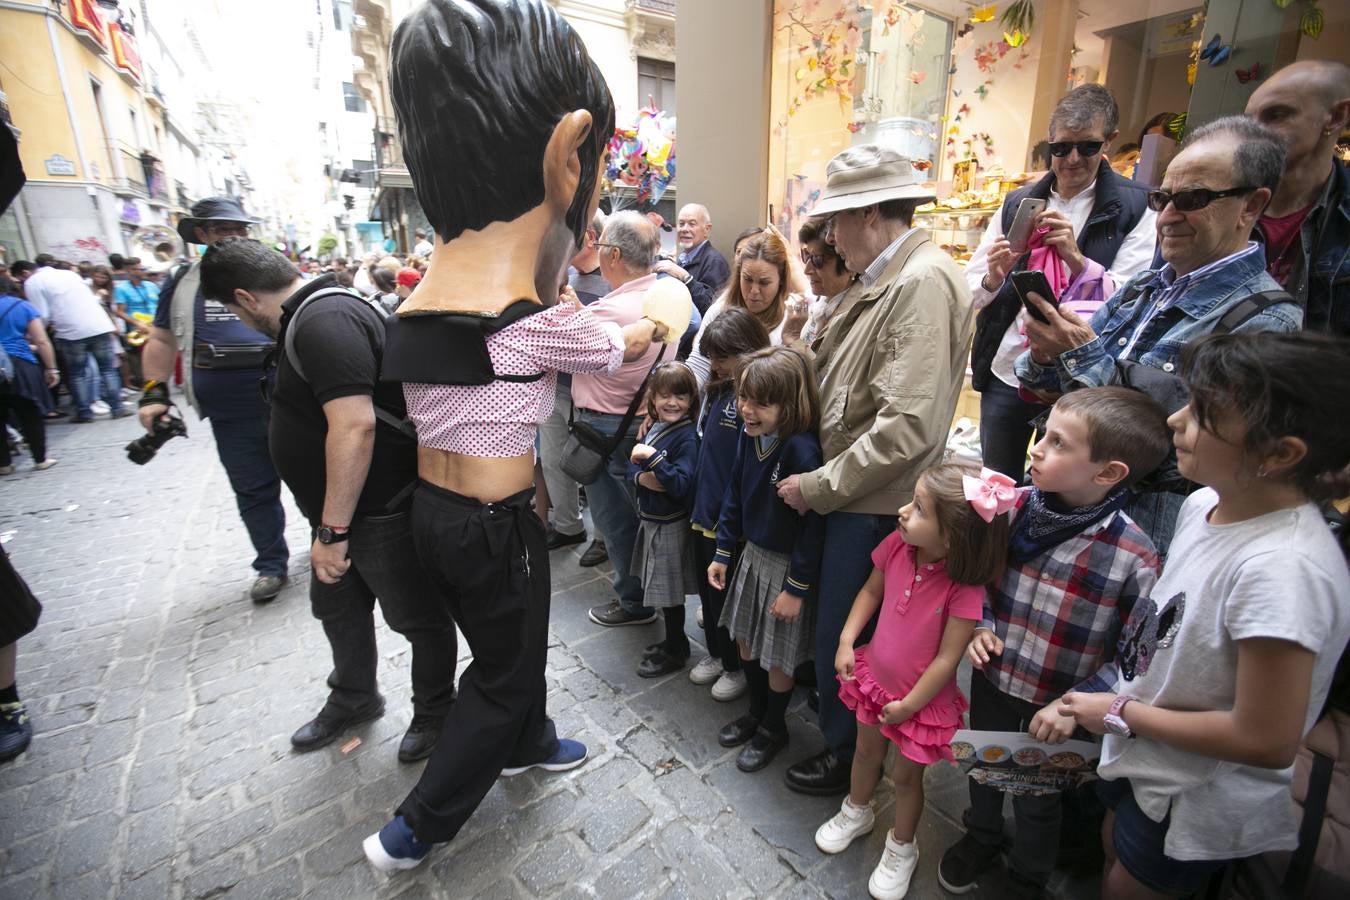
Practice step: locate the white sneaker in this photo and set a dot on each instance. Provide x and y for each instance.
(730, 686)
(707, 671)
(849, 823)
(99, 408)
(890, 879)
(699, 616)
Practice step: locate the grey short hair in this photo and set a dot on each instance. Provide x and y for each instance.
(1083, 107)
(635, 237)
(1258, 152)
(598, 222)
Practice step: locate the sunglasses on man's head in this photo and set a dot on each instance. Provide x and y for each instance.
(1060, 149)
(1191, 199)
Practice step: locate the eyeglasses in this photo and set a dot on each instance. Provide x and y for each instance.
(827, 229)
(1191, 199)
(603, 244)
(1060, 149)
(814, 261)
(233, 229)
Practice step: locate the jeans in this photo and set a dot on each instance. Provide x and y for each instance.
(491, 562)
(1156, 513)
(846, 565)
(613, 501)
(384, 564)
(1005, 428)
(1036, 840)
(242, 447)
(73, 356)
(562, 490)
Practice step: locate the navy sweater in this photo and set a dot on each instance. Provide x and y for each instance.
(673, 465)
(754, 511)
(716, 455)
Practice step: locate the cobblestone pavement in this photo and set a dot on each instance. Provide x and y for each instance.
(163, 701)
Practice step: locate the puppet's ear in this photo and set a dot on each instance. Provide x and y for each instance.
(562, 159)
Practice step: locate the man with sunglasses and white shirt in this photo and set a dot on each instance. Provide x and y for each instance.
(1213, 279)
(1095, 221)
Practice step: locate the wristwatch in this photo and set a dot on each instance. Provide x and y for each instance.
(330, 534)
(1112, 720)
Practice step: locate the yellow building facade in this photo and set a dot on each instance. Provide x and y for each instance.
(73, 87)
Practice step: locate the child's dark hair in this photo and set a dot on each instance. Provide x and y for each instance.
(977, 550)
(671, 378)
(1123, 425)
(783, 377)
(735, 332)
(1278, 386)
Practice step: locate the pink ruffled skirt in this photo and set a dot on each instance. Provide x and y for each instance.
(926, 737)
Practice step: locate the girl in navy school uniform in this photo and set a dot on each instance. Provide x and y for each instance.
(726, 340)
(771, 603)
(662, 466)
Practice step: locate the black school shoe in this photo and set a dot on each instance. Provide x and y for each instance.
(761, 750)
(595, 554)
(821, 775)
(420, 738)
(733, 734)
(555, 539)
(662, 662)
(324, 728)
(963, 863)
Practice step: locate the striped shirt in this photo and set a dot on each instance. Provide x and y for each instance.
(1061, 613)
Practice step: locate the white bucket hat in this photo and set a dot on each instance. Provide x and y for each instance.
(867, 174)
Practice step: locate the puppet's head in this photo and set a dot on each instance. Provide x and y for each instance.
(498, 103)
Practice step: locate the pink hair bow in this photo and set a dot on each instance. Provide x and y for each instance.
(992, 494)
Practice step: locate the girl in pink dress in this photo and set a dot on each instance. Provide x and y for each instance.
(929, 584)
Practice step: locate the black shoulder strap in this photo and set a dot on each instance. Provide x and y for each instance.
(1248, 307)
(403, 424)
(631, 413)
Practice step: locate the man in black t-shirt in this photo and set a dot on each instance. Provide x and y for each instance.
(341, 442)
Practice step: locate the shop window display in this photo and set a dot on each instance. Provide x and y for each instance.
(966, 90)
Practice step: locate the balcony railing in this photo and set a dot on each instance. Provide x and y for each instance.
(388, 147)
(131, 183)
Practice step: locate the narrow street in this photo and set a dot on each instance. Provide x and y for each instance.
(163, 701)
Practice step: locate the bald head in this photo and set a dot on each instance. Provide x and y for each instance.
(693, 226)
(1308, 104)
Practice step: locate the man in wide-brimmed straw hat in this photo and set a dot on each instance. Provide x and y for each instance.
(222, 361)
(891, 365)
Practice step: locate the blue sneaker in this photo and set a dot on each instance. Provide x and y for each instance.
(16, 732)
(569, 755)
(393, 848)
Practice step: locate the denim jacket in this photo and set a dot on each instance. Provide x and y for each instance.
(1193, 315)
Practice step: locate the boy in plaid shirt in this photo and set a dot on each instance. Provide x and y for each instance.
(1076, 565)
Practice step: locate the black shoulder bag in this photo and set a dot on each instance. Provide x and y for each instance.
(586, 452)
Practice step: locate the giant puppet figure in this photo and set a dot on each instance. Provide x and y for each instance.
(504, 120)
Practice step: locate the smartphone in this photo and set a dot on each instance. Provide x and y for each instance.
(1034, 282)
(1019, 235)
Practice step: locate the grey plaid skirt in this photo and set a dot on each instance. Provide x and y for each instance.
(752, 590)
(663, 557)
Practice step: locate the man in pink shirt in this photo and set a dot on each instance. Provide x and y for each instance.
(628, 249)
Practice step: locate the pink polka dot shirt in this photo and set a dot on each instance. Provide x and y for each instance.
(501, 419)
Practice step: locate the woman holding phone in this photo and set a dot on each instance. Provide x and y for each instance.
(1096, 225)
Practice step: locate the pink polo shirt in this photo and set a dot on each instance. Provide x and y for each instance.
(612, 393)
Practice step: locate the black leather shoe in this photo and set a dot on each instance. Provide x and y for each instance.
(738, 732)
(595, 554)
(821, 775)
(761, 750)
(324, 728)
(662, 662)
(556, 539)
(420, 738)
(813, 700)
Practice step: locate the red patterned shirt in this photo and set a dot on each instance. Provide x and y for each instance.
(500, 419)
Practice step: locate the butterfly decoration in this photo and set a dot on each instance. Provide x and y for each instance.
(1216, 52)
(984, 13)
(965, 30)
(1015, 39)
(855, 127)
(1176, 127)
(918, 77)
(922, 165)
(983, 90)
(956, 92)
(965, 109)
(1252, 73)
(952, 70)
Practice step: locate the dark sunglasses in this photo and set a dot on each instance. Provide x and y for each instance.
(1191, 199)
(1060, 149)
(815, 261)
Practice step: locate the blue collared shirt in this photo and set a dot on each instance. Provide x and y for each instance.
(873, 272)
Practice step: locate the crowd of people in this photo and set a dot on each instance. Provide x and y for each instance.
(1145, 553)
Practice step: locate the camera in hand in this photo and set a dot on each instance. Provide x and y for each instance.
(166, 427)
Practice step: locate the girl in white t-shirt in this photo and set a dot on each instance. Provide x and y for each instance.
(1226, 667)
